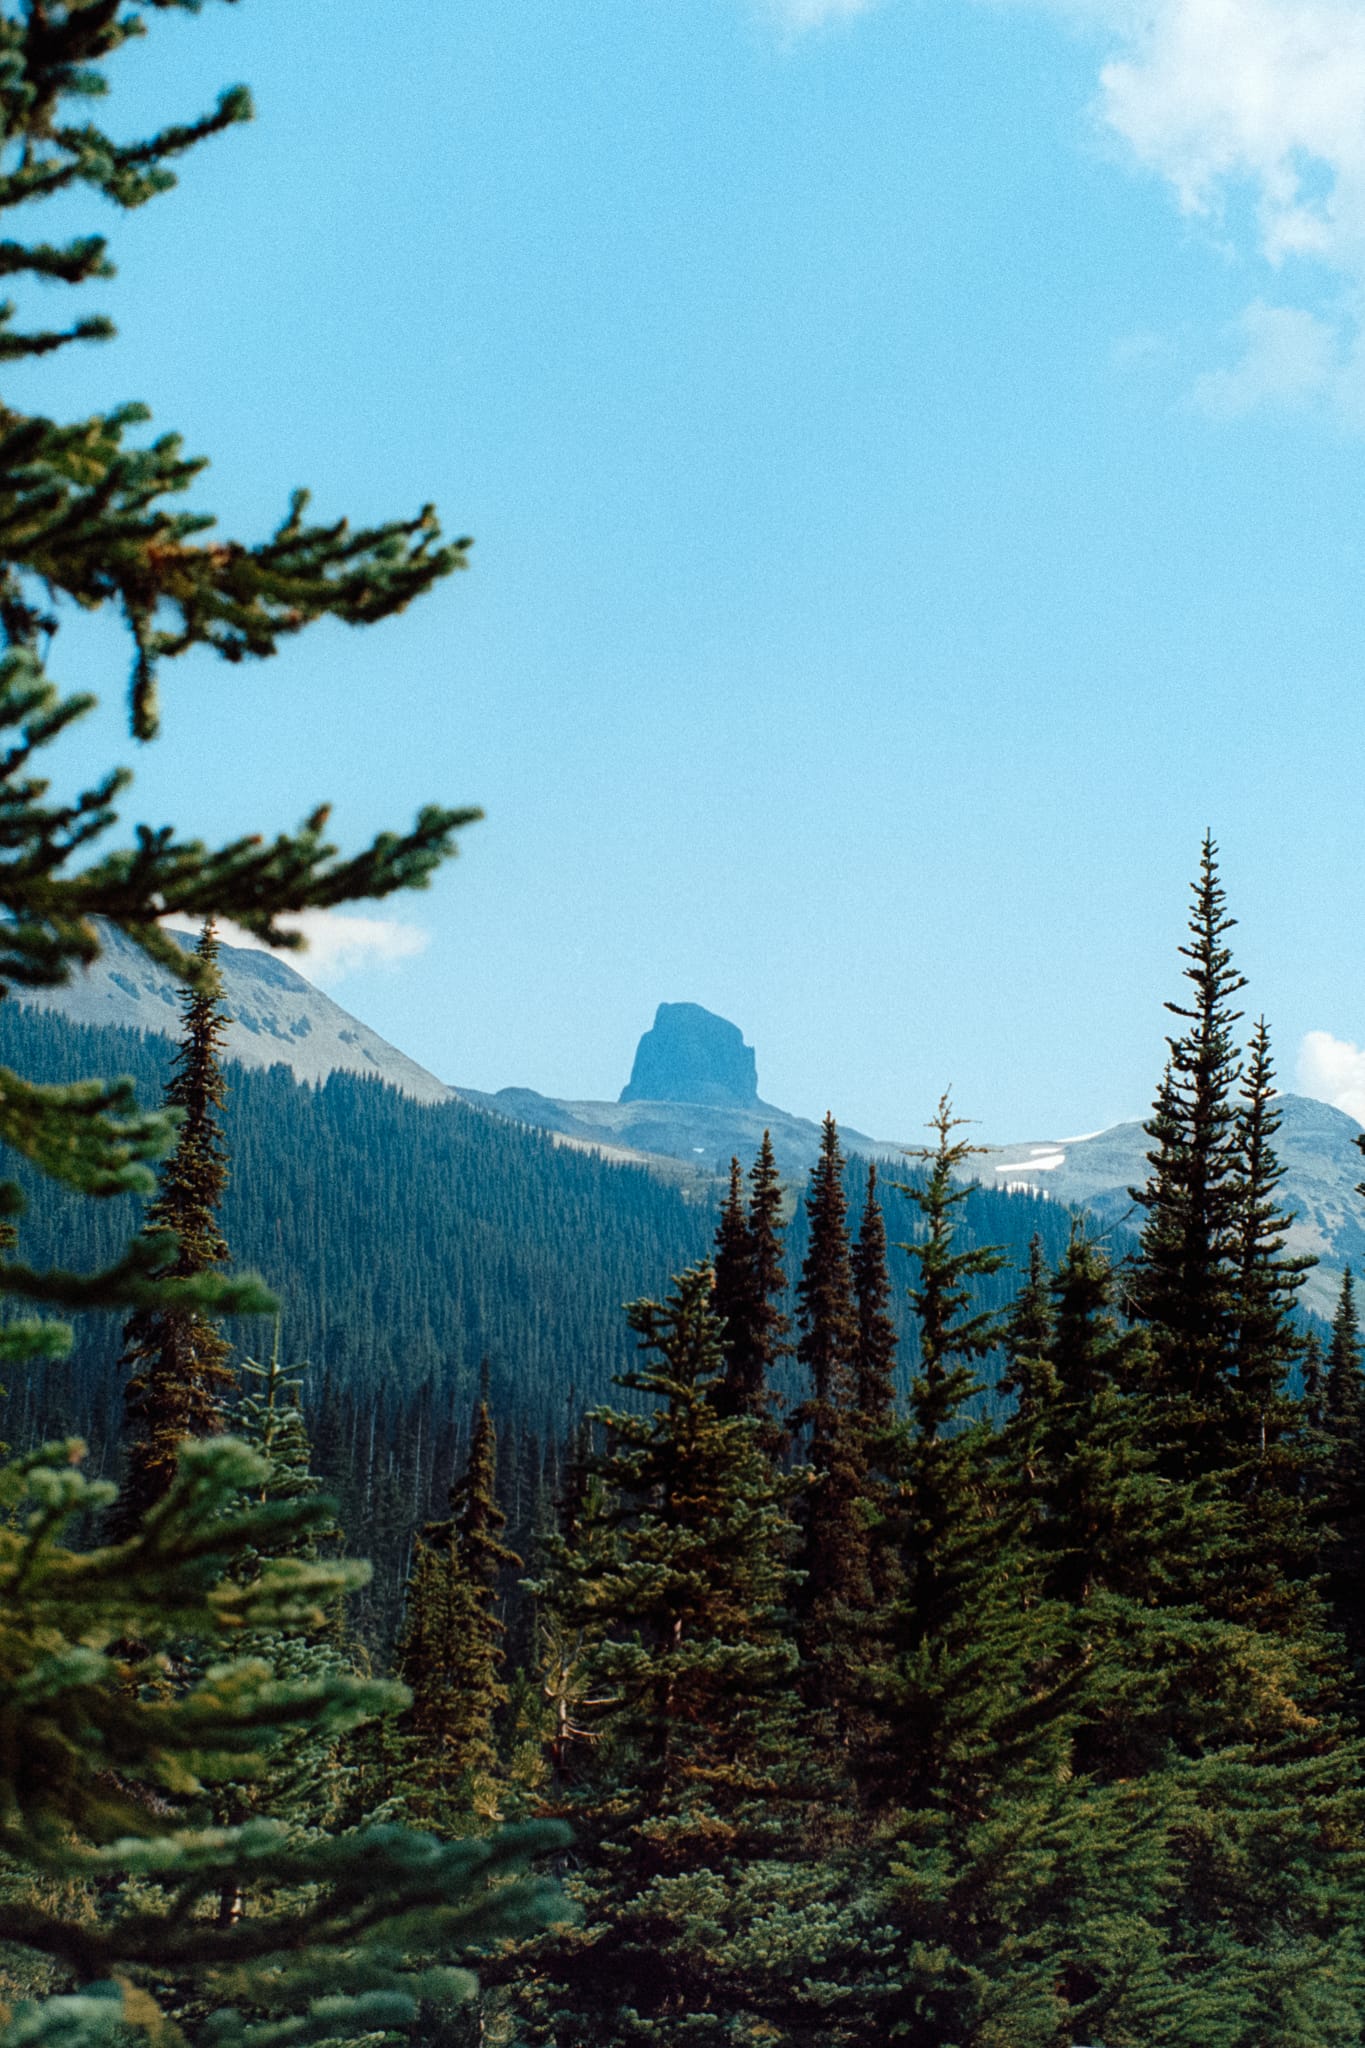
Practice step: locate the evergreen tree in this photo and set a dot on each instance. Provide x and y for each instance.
(1028, 1337)
(97, 1758)
(1345, 1478)
(1345, 1360)
(1265, 1339)
(749, 1281)
(1205, 1724)
(98, 1765)
(178, 1357)
(304, 1783)
(835, 1587)
(874, 1358)
(970, 1770)
(739, 1307)
(1272, 1451)
(874, 1376)
(450, 1648)
(1185, 1281)
(769, 1328)
(684, 1801)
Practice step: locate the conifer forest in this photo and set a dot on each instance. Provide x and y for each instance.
(541, 1608)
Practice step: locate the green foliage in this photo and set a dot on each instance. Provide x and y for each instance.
(449, 1650)
(124, 1713)
(178, 1357)
(683, 1790)
(834, 1592)
(750, 1281)
(967, 1762)
(1192, 1237)
(98, 1758)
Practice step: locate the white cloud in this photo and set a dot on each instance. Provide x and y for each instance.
(1268, 93)
(1333, 1070)
(1259, 102)
(1288, 357)
(337, 943)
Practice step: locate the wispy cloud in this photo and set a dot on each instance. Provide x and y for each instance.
(1287, 357)
(337, 943)
(1333, 1070)
(1253, 114)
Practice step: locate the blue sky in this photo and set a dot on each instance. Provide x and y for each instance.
(916, 455)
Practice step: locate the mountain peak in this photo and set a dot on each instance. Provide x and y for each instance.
(691, 1055)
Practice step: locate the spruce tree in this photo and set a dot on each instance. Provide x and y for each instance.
(97, 1758)
(1028, 1376)
(450, 1648)
(1185, 1279)
(698, 1919)
(1265, 1339)
(874, 1358)
(835, 1587)
(177, 1358)
(1344, 1505)
(100, 1770)
(749, 1282)
(1272, 1453)
(304, 1783)
(1345, 1360)
(969, 1770)
(874, 1377)
(1213, 1778)
(737, 1305)
(769, 1327)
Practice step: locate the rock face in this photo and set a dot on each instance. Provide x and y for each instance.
(278, 1018)
(691, 1055)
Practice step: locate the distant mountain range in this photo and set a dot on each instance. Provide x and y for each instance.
(1316, 1146)
(692, 1102)
(278, 1018)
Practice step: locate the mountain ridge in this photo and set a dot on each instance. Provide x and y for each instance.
(280, 1018)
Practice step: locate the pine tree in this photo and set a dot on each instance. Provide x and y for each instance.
(874, 1358)
(835, 1588)
(1272, 1451)
(99, 1763)
(1186, 1275)
(1345, 1362)
(1206, 1724)
(97, 1757)
(178, 1357)
(450, 1648)
(769, 1328)
(304, 1784)
(737, 1305)
(1028, 1376)
(684, 1798)
(969, 1771)
(1265, 1342)
(874, 1376)
(1345, 1475)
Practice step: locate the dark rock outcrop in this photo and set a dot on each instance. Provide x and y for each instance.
(691, 1055)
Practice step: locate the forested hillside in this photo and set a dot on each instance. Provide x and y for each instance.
(410, 1245)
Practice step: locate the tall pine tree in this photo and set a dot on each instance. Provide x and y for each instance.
(835, 1588)
(700, 1925)
(450, 1649)
(177, 1358)
(1185, 1279)
(969, 1768)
